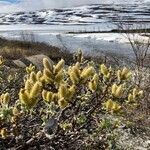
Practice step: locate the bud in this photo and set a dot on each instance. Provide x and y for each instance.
(28, 86)
(49, 96)
(119, 75)
(30, 68)
(140, 93)
(71, 92)
(6, 98)
(4, 133)
(116, 107)
(135, 92)
(104, 70)
(87, 72)
(33, 77)
(113, 89)
(117, 91)
(108, 105)
(59, 66)
(74, 77)
(59, 77)
(79, 56)
(92, 86)
(47, 65)
(24, 97)
(123, 74)
(96, 78)
(48, 74)
(39, 75)
(62, 91)
(130, 98)
(35, 89)
(44, 94)
(15, 111)
(76, 69)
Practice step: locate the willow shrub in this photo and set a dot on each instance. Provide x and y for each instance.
(71, 99)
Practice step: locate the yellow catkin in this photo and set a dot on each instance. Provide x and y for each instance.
(30, 68)
(35, 89)
(92, 86)
(15, 111)
(119, 75)
(28, 86)
(135, 92)
(62, 91)
(1, 60)
(113, 89)
(76, 69)
(130, 98)
(49, 96)
(104, 70)
(33, 77)
(59, 66)
(59, 77)
(96, 78)
(48, 73)
(47, 65)
(6, 98)
(44, 94)
(87, 72)
(79, 56)
(119, 91)
(4, 133)
(116, 107)
(71, 92)
(29, 102)
(140, 93)
(125, 71)
(74, 78)
(108, 104)
(94, 83)
(24, 97)
(123, 74)
(39, 75)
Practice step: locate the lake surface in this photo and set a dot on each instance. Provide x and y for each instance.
(51, 26)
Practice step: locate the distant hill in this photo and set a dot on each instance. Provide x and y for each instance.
(88, 14)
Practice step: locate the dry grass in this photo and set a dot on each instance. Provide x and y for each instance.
(13, 49)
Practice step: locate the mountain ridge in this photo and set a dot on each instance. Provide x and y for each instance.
(83, 15)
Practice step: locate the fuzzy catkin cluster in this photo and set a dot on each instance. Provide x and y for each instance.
(112, 106)
(4, 99)
(62, 97)
(59, 84)
(132, 97)
(30, 68)
(51, 73)
(124, 74)
(30, 93)
(117, 90)
(80, 75)
(93, 83)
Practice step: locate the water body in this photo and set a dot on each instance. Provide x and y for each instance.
(51, 26)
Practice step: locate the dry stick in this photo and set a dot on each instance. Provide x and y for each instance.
(92, 110)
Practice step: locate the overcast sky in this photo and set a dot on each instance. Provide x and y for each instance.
(27, 5)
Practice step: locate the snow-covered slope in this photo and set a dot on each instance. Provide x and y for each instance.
(84, 15)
